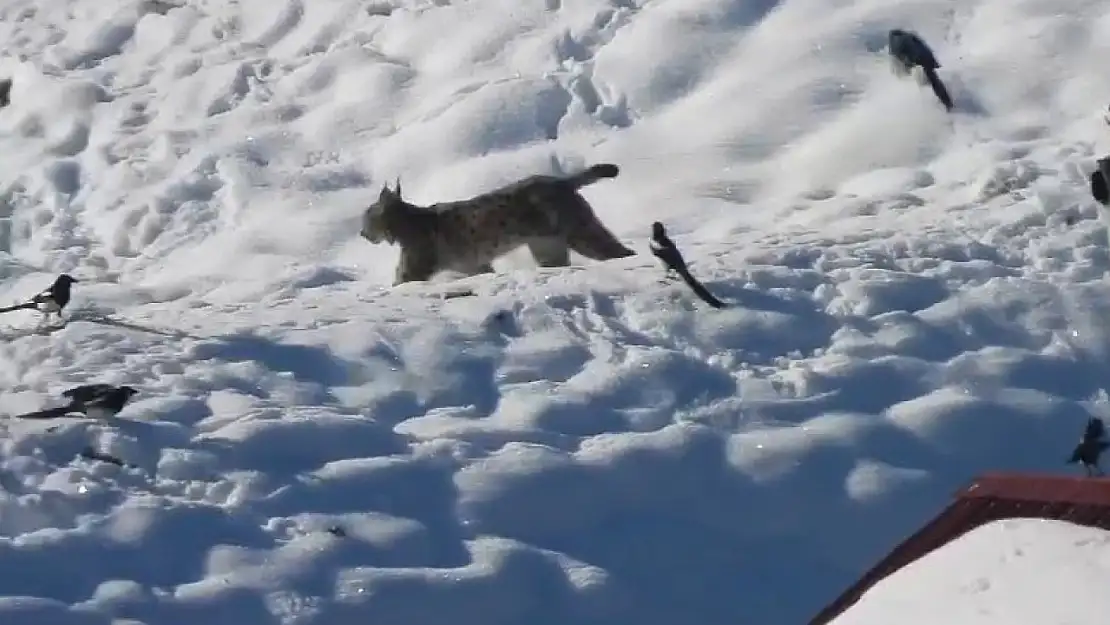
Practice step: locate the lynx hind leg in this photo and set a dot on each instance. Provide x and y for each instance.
(593, 240)
(550, 252)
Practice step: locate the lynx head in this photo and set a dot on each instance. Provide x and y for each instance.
(385, 218)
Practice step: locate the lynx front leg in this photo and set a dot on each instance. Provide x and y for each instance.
(474, 269)
(414, 266)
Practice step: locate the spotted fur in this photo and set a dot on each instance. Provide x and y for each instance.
(546, 213)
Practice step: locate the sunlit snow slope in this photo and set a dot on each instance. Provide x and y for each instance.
(917, 296)
(1013, 572)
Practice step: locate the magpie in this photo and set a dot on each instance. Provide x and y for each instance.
(90, 453)
(1099, 178)
(909, 50)
(98, 401)
(663, 248)
(51, 301)
(1090, 447)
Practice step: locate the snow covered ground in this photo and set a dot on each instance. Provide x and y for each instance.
(917, 297)
(1004, 573)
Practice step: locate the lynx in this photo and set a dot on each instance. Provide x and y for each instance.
(546, 213)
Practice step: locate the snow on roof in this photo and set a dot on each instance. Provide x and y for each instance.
(1009, 572)
(990, 497)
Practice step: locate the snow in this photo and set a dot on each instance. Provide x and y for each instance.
(916, 297)
(1005, 572)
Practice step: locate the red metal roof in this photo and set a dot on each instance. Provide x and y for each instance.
(991, 497)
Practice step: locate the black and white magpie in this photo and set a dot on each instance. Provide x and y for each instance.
(90, 453)
(1099, 179)
(51, 301)
(1090, 447)
(909, 50)
(663, 248)
(98, 401)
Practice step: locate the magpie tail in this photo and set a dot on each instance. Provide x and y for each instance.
(49, 413)
(23, 306)
(938, 88)
(699, 289)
